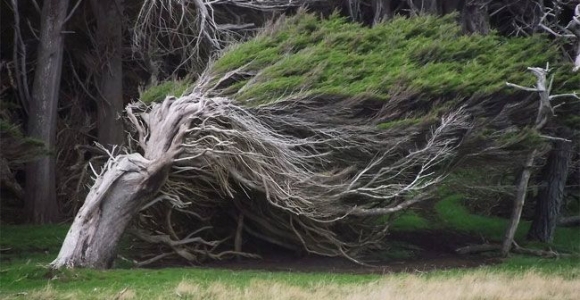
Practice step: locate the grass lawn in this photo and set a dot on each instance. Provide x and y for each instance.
(26, 250)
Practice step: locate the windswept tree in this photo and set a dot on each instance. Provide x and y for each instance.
(275, 143)
(301, 184)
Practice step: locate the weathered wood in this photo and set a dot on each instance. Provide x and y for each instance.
(518, 203)
(477, 249)
(116, 197)
(545, 112)
(516, 249)
(128, 182)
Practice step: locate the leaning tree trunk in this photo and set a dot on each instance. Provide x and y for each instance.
(109, 15)
(116, 197)
(40, 200)
(551, 195)
(128, 181)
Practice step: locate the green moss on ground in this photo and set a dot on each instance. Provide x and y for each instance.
(422, 56)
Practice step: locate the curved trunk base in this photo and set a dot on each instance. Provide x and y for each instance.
(116, 197)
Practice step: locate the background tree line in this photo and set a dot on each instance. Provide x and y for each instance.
(69, 67)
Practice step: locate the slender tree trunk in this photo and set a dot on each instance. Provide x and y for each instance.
(40, 200)
(545, 112)
(551, 195)
(109, 14)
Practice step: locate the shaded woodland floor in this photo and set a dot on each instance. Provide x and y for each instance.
(414, 252)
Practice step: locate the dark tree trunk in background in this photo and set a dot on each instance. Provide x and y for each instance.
(551, 194)
(382, 10)
(109, 15)
(420, 7)
(40, 200)
(475, 17)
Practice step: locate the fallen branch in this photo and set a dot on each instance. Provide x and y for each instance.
(516, 249)
(569, 221)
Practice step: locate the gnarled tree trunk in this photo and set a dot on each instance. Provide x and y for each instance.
(128, 181)
(219, 151)
(118, 194)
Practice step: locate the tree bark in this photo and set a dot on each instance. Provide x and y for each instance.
(40, 200)
(109, 15)
(545, 112)
(129, 181)
(551, 195)
(518, 204)
(116, 197)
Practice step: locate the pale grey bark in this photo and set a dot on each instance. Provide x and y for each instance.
(128, 182)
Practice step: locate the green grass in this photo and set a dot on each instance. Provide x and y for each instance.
(23, 239)
(422, 56)
(23, 267)
(410, 221)
(27, 250)
(158, 92)
(453, 215)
